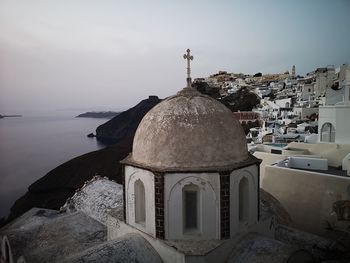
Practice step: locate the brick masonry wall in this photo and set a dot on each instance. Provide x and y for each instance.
(159, 204)
(225, 205)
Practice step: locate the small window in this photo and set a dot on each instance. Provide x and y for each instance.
(243, 213)
(191, 207)
(140, 210)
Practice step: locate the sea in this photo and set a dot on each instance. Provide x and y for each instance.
(31, 146)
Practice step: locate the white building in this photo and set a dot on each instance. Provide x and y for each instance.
(263, 91)
(324, 80)
(306, 92)
(281, 108)
(334, 124)
(339, 90)
(309, 179)
(190, 177)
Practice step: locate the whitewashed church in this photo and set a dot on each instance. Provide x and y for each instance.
(189, 178)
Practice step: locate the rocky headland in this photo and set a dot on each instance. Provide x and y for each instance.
(8, 116)
(98, 114)
(126, 123)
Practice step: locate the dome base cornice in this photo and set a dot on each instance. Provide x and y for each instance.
(226, 168)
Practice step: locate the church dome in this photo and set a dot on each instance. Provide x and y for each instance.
(189, 132)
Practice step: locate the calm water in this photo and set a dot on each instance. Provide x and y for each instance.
(32, 146)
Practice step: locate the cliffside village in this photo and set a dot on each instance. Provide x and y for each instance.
(292, 107)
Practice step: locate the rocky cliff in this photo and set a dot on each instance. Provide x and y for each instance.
(125, 123)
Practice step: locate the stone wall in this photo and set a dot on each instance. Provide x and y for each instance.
(309, 197)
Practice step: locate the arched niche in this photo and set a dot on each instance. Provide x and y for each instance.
(140, 202)
(202, 198)
(243, 200)
(139, 199)
(191, 208)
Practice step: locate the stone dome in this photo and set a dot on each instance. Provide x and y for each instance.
(189, 132)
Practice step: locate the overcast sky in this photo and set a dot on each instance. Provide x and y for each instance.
(81, 54)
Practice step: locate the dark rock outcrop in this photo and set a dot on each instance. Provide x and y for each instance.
(9, 116)
(126, 123)
(205, 88)
(52, 190)
(242, 100)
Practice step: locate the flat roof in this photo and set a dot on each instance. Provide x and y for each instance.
(331, 170)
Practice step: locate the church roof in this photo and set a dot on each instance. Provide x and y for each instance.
(189, 132)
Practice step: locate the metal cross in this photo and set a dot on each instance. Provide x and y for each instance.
(189, 58)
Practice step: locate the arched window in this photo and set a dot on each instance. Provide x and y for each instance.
(327, 132)
(140, 209)
(190, 199)
(243, 200)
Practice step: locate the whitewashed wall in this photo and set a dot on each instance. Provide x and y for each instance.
(308, 196)
(132, 174)
(338, 116)
(251, 173)
(209, 217)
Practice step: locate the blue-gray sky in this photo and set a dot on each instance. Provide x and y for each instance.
(81, 54)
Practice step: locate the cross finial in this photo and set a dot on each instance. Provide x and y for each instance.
(189, 58)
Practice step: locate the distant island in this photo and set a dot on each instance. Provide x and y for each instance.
(7, 116)
(98, 114)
